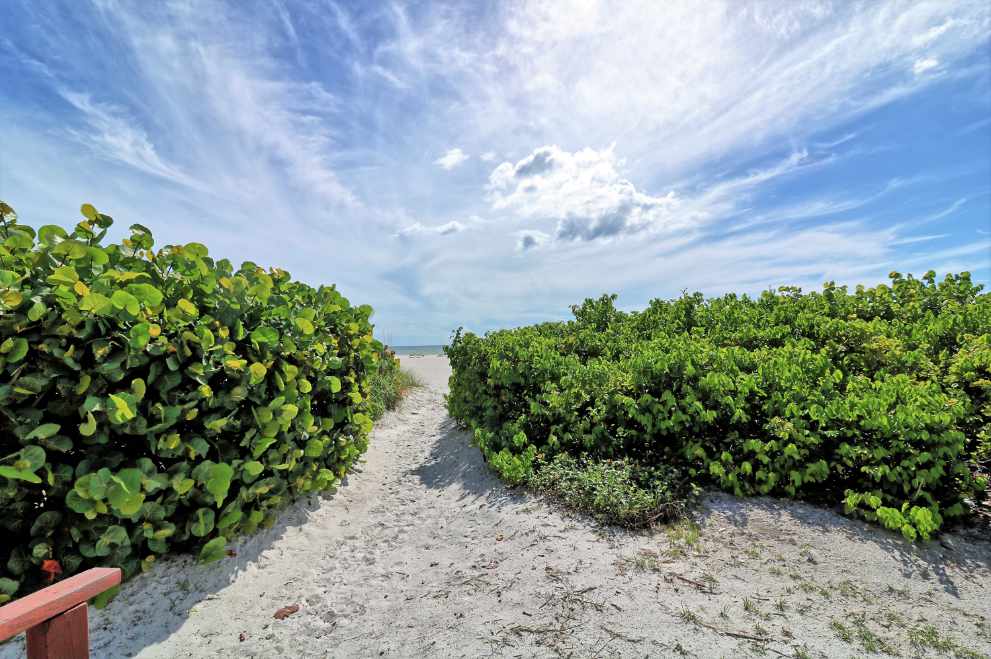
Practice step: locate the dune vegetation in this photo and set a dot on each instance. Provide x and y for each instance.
(155, 401)
(876, 399)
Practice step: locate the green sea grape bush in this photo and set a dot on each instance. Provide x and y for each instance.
(878, 399)
(159, 401)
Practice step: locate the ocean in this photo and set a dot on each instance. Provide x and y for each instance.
(418, 350)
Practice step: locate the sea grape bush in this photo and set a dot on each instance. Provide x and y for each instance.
(154, 401)
(878, 399)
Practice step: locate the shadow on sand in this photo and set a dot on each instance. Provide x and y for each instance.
(454, 461)
(917, 559)
(180, 583)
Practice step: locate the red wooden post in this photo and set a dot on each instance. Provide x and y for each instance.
(55, 618)
(65, 636)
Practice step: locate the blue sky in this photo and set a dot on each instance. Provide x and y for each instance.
(488, 164)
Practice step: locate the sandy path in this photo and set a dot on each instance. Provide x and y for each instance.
(425, 553)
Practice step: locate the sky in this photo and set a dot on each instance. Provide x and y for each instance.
(488, 164)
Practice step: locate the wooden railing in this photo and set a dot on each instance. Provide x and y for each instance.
(55, 618)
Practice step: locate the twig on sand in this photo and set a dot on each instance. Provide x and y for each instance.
(698, 584)
(546, 629)
(764, 640)
(729, 632)
(615, 634)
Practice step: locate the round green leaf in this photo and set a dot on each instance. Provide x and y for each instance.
(219, 481)
(124, 300)
(37, 310)
(202, 522)
(14, 349)
(213, 550)
(140, 335)
(258, 372)
(187, 307)
(265, 336)
(305, 325)
(44, 431)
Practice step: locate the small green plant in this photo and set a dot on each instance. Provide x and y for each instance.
(842, 632)
(613, 492)
(683, 535)
(690, 617)
(860, 633)
(388, 384)
(926, 639)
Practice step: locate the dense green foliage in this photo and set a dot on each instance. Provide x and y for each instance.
(154, 401)
(389, 384)
(877, 398)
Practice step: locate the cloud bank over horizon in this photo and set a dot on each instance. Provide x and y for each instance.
(489, 165)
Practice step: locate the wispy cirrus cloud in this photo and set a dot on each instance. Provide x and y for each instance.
(924, 65)
(445, 229)
(113, 136)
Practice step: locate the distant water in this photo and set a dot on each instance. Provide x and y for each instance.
(418, 350)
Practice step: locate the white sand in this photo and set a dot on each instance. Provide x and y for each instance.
(425, 553)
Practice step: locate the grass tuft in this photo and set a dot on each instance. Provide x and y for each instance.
(389, 385)
(615, 492)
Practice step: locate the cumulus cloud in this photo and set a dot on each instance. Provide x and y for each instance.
(418, 228)
(488, 156)
(584, 191)
(451, 159)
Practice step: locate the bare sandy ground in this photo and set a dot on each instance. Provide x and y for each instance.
(425, 553)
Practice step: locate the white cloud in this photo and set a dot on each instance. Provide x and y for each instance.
(924, 64)
(919, 239)
(588, 198)
(933, 33)
(306, 166)
(114, 136)
(583, 191)
(527, 240)
(440, 229)
(287, 119)
(451, 159)
(389, 76)
(745, 76)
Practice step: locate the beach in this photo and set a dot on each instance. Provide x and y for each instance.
(424, 552)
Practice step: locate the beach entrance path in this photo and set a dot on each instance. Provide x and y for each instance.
(425, 553)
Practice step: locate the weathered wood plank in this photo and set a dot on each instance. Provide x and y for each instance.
(65, 636)
(34, 609)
